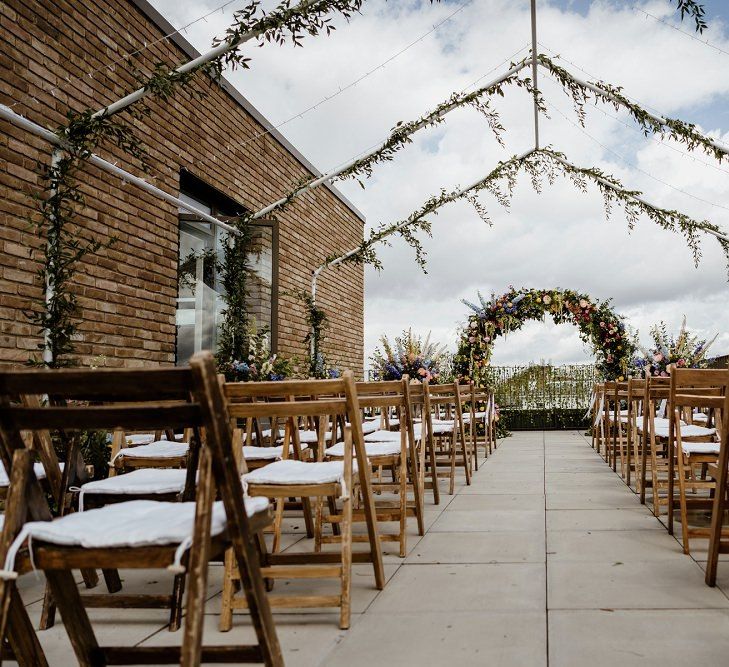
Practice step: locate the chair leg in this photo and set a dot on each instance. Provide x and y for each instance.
(22, 638)
(75, 618)
(416, 477)
(48, 610)
(277, 520)
(112, 580)
(403, 509)
(682, 501)
(225, 622)
(433, 470)
(178, 592)
(346, 602)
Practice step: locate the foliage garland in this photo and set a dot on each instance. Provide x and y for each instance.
(613, 96)
(599, 326)
(539, 164)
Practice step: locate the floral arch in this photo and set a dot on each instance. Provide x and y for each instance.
(599, 326)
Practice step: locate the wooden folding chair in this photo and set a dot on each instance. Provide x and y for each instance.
(634, 448)
(449, 437)
(421, 411)
(694, 445)
(394, 451)
(289, 401)
(165, 534)
(718, 544)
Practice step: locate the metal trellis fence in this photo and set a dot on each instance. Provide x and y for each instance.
(543, 396)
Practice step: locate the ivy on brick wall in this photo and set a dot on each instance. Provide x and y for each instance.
(63, 247)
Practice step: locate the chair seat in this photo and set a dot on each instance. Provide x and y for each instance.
(700, 447)
(466, 416)
(137, 482)
(38, 469)
(253, 453)
(699, 417)
(687, 431)
(290, 472)
(443, 427)
(135, 523)
(658, 422)
(161, 449)
(311, 437)
(391, 436)
(372, 449)
(136, 439)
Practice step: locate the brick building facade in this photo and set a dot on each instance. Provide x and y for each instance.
(131, 309)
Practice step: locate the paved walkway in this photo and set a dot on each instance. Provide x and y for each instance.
(546, 559)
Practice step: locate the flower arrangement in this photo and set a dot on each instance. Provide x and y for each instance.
(410, 355)
(323, 370)
(259, 364)
(685, 351)
(599, 326)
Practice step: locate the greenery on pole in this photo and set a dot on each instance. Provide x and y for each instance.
(611, 95)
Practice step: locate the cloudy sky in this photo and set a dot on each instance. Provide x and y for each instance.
(559, 238)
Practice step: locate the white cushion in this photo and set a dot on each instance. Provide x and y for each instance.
(298, 472)
(252, 453)
(311, 437)
(658, 422)
(391, 436)
(370, 426)
(442, 428)
(135, 523)
(478, 415)
(372, 449)
(687, 431)
(144, 480)
(699, 417)
(38, 469)
(700, 447)
(161, 449)
(135, 439)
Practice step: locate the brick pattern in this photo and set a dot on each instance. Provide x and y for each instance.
(127, 293)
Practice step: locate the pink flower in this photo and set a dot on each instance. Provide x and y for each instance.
(584, 303)
(658, 357)
(547, 299)
(472, 339)
(422, 372)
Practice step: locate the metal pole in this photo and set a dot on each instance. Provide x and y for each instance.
(19, 121)
(202, 59)
(534, 73)
(333, 174)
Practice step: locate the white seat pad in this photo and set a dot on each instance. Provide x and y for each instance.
(370, 426)
(687, 431)
(298, 472)
(477, 415)
(38, 469)
(144, 480)
(252, 453)
(700, 447)
(658, 422)
(135, 439)
(135, 523)
(161, 449)
(391, 436)
(311, 437)
(442, 428)
(699, 417)
(372, 449)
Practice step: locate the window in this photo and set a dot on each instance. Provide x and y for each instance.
(200, 295)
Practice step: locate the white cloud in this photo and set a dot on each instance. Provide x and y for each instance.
(558, 238)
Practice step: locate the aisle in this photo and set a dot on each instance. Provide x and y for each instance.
(500, 579)
(546, 559)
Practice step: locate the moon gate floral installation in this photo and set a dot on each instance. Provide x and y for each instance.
(598, 324)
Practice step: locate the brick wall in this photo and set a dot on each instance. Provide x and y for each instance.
(127, 293)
